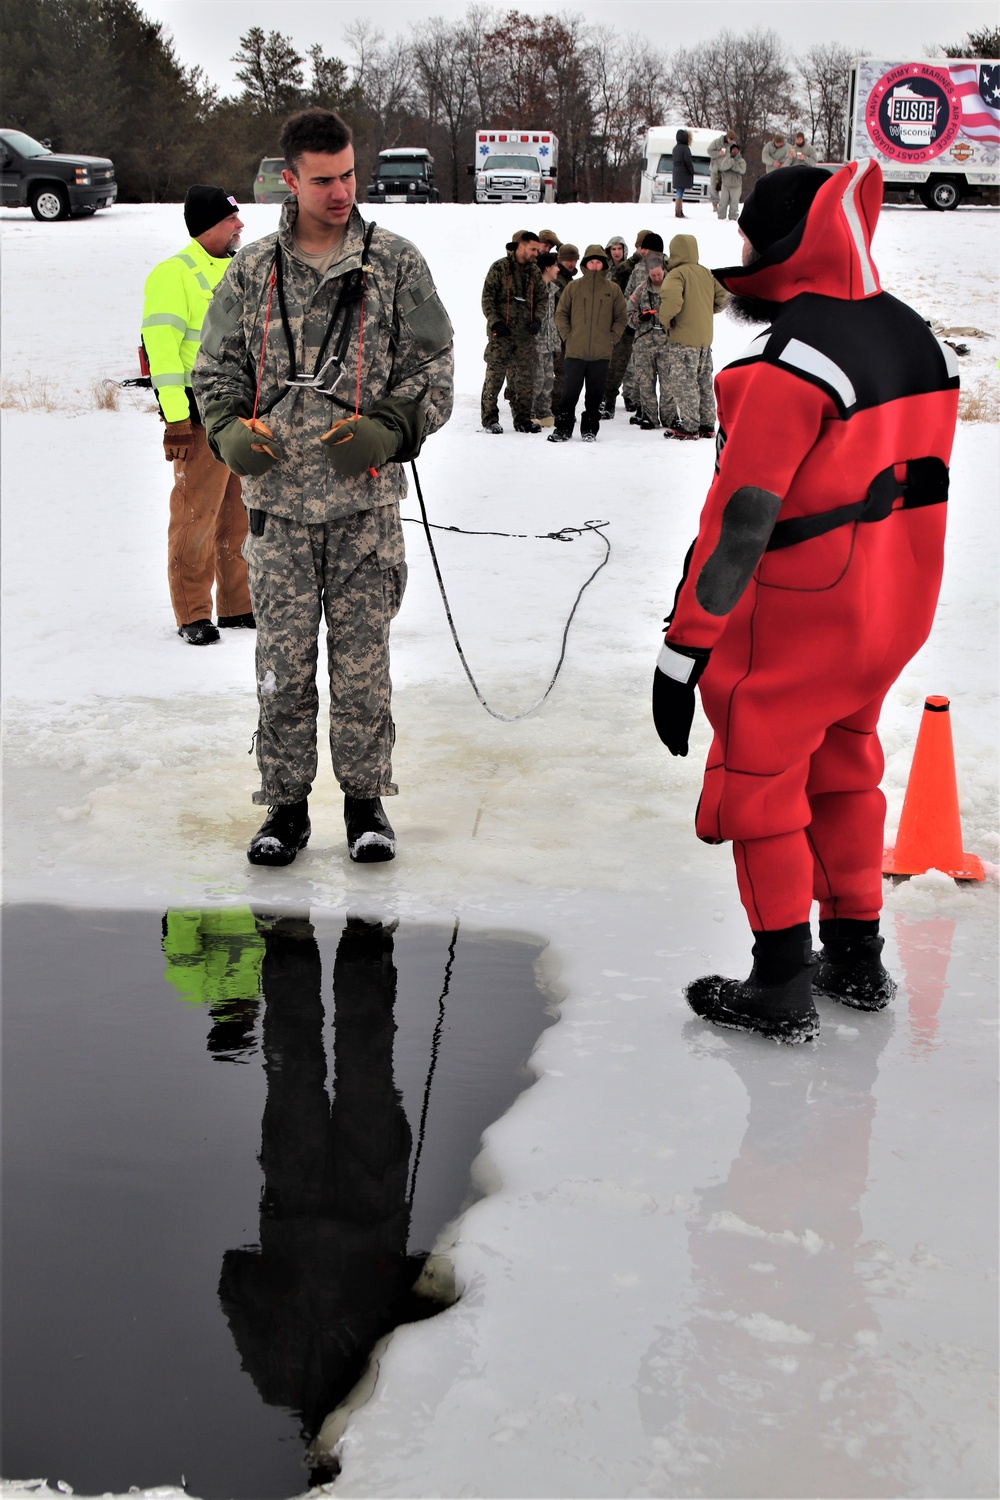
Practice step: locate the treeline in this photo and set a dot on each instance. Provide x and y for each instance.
(99, 77)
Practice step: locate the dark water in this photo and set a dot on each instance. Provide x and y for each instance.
(229, 1142)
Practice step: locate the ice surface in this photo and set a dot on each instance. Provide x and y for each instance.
(668, 1206)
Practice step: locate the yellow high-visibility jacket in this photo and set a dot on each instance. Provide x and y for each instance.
(176, 300)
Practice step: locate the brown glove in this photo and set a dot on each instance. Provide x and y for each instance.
(177, 438)
(261, 429)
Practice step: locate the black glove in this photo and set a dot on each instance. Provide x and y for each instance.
(500, 331)
(677, 670)
(535, 326)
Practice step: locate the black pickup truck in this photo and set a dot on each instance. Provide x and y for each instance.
(52, 184)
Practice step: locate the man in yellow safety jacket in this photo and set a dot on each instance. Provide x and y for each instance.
(207, 520)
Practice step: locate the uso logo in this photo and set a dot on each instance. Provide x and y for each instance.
(913, 112)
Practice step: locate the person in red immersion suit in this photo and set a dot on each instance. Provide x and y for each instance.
(812, 582)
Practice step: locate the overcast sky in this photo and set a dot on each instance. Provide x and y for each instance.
(208, 31)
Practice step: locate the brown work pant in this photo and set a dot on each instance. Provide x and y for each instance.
(204, 537)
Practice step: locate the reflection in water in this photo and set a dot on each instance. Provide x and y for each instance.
(781, 1340)
(213, 958)
(924, 952)
(331, 1274)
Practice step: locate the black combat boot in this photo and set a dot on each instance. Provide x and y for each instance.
(199, 633)
(775, 1001)
(563, 430)
(237, 622)
(282, 834)
(849, 966)
(370, 837)
(526, 426)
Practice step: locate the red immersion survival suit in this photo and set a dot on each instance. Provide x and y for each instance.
(846, 403)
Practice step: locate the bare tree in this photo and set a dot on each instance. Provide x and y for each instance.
(444, 87)
(738, 82)
(383, 78)
(825, 75)
(628, 90)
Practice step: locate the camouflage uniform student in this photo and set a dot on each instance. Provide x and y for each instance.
(548, 344)
(804, 154)
(513, 304)
(718, 152)
(731, 174)
(650, 351)
(350, 303)
(651, 244)
(689, 299)
(776, 153)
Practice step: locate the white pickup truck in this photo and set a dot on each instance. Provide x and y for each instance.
(933, 126)
(516, 166)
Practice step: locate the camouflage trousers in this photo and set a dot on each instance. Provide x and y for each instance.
(513, 360)
(353, 572)
(621, 356)
(689, 373)
(651, 364)
(541, 391)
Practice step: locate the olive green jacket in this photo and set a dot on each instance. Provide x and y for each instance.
(690, 296)
(591, 316)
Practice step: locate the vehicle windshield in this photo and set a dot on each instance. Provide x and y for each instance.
(273, 164)
(401, 168)
(23, 144)
(666, 165)
(511, 164)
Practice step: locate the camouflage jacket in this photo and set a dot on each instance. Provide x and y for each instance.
(513, 295)
(405, 359)
(644, 300)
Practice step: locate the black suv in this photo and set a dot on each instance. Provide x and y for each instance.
(51, 184)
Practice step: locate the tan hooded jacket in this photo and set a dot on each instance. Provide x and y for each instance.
(690, 296)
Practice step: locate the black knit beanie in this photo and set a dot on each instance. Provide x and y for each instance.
(653, 241)
(778, 202)
(204, 207)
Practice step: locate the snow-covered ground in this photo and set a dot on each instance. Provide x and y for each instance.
(705, 1265)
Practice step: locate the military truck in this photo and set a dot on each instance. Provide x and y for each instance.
(403, 174)
(54, 185)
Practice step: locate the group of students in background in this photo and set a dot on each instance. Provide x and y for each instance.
(639, 324)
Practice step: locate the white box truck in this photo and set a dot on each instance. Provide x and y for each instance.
(932, 126)
(516, 166)
(657, 164)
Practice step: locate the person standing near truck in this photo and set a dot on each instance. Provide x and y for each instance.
(326, 361)
(731, 174)
(207, 522)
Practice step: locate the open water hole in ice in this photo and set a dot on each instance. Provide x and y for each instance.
(229, 1141)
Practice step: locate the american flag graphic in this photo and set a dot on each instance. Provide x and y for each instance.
(979, 90)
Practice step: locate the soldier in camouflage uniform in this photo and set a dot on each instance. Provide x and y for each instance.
(548, 344)
(689, 300)
(650, 352)
(648, 242)
(355, 371)
(513, 304)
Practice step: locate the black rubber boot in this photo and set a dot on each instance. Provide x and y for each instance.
(526, 426)
(282, 834)
(849, 966)
(199, 633)
(370, 836)
(237, 622)
(775, 1000)
(563, 430)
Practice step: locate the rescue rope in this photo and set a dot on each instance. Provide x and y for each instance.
(435, 1048)
(565, 535)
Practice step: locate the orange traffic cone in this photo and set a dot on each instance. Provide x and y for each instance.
(930, 828)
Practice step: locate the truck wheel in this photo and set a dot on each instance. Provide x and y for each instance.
(943, 194)
(50, 202)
